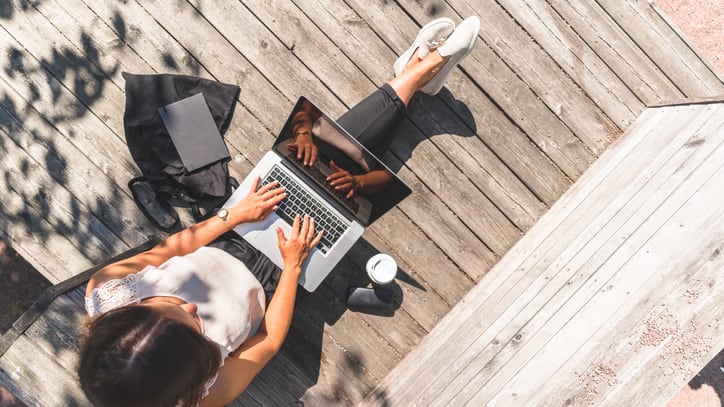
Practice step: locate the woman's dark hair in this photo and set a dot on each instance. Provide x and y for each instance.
(134, 356)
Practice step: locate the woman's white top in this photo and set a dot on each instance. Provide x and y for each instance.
(229, 298)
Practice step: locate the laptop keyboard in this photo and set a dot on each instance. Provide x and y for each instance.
(299, 201)
(315, 173)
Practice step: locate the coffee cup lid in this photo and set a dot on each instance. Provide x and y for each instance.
(382, 268)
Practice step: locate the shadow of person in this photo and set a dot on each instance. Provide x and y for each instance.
(427, 117)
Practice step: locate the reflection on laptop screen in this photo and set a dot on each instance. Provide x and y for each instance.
(344, 169)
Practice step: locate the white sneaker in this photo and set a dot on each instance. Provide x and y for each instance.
(457, 46)
(432, 35)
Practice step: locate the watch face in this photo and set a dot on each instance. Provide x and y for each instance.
(223, 213)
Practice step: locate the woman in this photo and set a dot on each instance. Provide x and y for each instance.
(187, 322)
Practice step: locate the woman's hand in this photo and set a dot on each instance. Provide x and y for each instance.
(342, 180)
(305, 148)
(258, 204)
(301, 241)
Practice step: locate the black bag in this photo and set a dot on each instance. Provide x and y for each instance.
(165, 181)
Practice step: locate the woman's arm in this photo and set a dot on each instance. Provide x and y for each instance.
(245, 363)
(368, 183)
(256, 206)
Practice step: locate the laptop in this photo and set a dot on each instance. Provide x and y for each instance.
(342, 218)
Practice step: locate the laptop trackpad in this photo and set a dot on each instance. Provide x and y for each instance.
(263, 236)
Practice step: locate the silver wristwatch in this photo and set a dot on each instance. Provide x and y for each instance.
(223, 214)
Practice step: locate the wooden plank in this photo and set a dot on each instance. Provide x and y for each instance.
(399, 380)
(78, 16)
(27, 179)
(466, 201)
(58, 332)
(335, 68)
(52, 254)
(448, 231)
(36, 383)
(93, 197)
(660, 14)
(350, 332)
(58, 108)
(560, 93)
(42, 116)
(669, 51)
(604, 169)
(502, 137)
(525, 319)
(248, 47)
(332, 367)
(652, 320)
(684, 356)
(286, 378)
(84, 77)
(398, 328)
(487, 172)
(645, 254)
(602, 33)
(600, 82)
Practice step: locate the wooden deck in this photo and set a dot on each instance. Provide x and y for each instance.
(614, 298)
(548, 87)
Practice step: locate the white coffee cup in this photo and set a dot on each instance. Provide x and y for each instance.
(381, 268)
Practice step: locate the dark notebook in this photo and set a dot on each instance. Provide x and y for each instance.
(193, 132)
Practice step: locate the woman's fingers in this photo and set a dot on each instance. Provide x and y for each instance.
(316, 240)
(304, 228)
(275, 195)
(255, 184)
(272, 186)
(295, 228)
(281, 239)
(310, 230)
(312, 238)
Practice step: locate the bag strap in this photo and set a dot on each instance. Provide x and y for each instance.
(211, 205)
(154, 204)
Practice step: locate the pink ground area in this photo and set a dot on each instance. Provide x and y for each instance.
(702, 23)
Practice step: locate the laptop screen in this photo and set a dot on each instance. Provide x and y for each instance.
(344, 169)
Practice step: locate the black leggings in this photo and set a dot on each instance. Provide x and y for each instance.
(372, 122)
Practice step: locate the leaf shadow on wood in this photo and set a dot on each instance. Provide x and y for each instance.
(72, 80)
